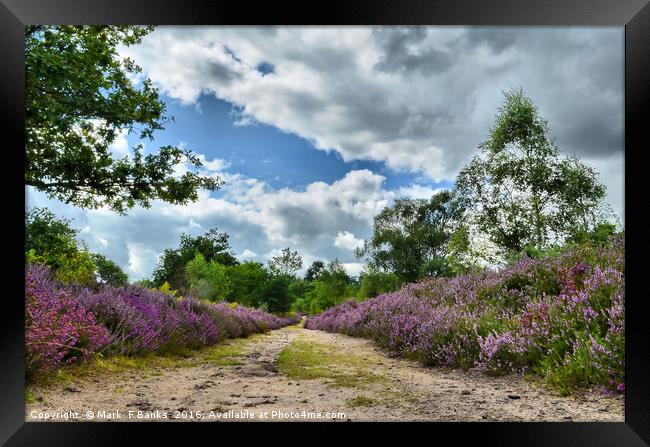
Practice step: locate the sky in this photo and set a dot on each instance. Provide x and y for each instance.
(316, 129)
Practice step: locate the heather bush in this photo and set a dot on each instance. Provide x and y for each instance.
(67, 322)
(58, 329)
(227, 322)
(145, 320)
(561, 316)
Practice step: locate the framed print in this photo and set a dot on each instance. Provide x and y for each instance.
(354, 216)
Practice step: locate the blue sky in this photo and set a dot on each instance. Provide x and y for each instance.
(263, 151)
(316, 129)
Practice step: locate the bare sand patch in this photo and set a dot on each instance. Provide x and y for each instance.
(318, 372)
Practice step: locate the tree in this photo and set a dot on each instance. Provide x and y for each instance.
(519, 190)
(108, 271)
(208, 279)
(213, 246)
(273, 294)
(287, 263)
(314, 270)
(460, 258)
(48, 235)
(599, 235)
(299, 288)
(412, 233)
(332, 287)
(52, 241)
(247, 280)
(374, 283)
(79, 98)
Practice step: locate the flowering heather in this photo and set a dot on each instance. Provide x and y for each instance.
(561, 317)
(66, 323)
(57, 328)
(241, 321)
(144, 320)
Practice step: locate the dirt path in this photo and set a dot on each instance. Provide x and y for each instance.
(316, 372)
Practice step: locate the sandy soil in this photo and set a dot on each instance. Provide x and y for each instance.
(406, 392)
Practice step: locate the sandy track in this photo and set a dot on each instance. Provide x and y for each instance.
(407, 391)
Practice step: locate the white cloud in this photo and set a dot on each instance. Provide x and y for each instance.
(304, 96)
(418, 99)
(209, 168)
(258, 218)
(214, 165)
(120, 147)
(416, 191)
(248, 253)
(142, 259)
(353, 268)
(347, 241)
(194, 224)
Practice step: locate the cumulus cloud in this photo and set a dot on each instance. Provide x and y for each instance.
(416, 191)
(403, 51)
(214, 165)
(141, 258)
(347, 241)
(248, 253)
(353, 268)
(420, 99)
(194, 224)
(258, 218)
(120, 147)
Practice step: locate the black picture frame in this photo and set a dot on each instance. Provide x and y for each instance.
(634, 15)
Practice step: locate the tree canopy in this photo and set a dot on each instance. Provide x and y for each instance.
(373, 283)
(314, 270)
(213, 246)
(287, 263)
(274, 294)
(247, 280)
(331, 288)
(47, 234)
(53, 241)
(80, 95)
(208, 279)
(412, 233)
(519, 190)
(109, 272)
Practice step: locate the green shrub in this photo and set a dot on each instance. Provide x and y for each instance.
(208, 280)
(375, 283)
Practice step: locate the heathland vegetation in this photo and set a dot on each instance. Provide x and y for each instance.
(516, 268)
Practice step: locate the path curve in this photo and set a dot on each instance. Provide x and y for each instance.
(406, 391)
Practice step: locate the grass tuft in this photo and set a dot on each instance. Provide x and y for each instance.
(309, 360)
(360, 401)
